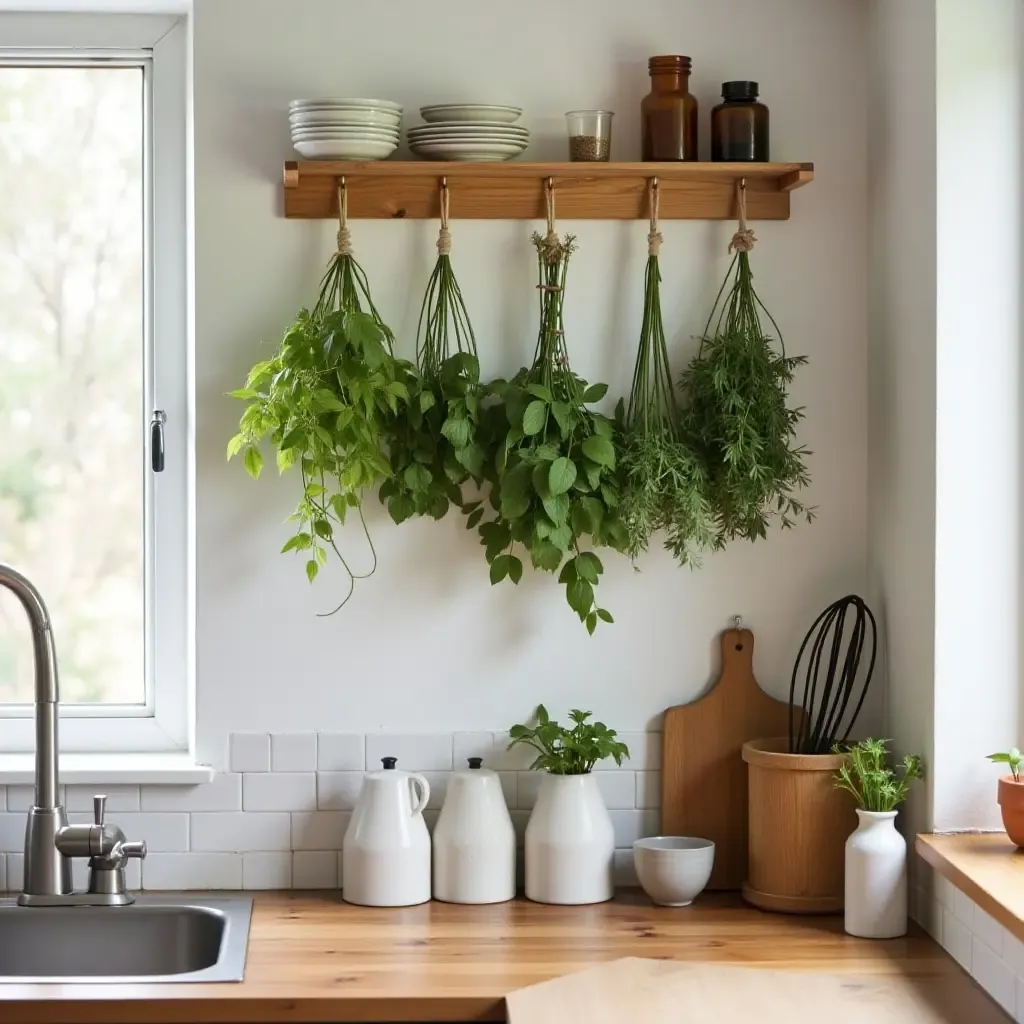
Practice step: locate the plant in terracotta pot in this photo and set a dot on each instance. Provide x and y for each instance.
(876, 854)
(1011, 794)
(570, 843)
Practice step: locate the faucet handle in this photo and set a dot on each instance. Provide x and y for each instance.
(99, 808)
(135, 849)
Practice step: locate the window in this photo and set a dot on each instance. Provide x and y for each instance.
(93, 350)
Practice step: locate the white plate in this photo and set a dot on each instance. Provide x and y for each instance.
(351, 115)
(454, 136)
(470, 112)
(470, 140)
(344, 101)
(474, 126)
(468, 151)
(359, 132)
(345, 149)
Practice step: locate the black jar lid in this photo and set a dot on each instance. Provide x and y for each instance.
(475, 763)
(389, 763)
(739, 90)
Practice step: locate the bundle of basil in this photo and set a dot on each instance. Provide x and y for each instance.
(328, 399)
(738, 419)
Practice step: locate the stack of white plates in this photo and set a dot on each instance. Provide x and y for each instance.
(469, 131)
(345, 129)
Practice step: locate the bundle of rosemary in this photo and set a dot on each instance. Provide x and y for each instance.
(738, 419)
(433, 446)
(553, 481)
(663, 483)
(327, 400)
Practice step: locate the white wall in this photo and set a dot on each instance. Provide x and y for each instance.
(427, 644)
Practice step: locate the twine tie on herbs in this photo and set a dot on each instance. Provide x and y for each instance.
(552, 246)
(654, 238)
(744, 239)
(344, 236)
(444, 236)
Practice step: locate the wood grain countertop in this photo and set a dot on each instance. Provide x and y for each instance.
(313, 958)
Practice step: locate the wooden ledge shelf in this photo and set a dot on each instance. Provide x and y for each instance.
(986, 866)
(515, 191)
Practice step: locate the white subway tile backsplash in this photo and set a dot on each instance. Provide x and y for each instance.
(340, 752)
(315, 869)
(279, 791)
(989, 930)
(163, 833)
(12, 832)
(518, 759)
(241, 831)
(648, 789)
(472, 744)
(618, 789)
(21, 798)
(956, 937)
(945, 891)
(3, 872)
(338, 791)
(15, 872)
(224, 793)
(1013, 954)
(993, 975)
(624, 872)
(963, 907)
(438, 782)
(119, 798)
(293, 752)
(192, 871)
(319, 830)
(249, 752)
(632, 825)
(266, 870)
(416, 752)
(644, 752)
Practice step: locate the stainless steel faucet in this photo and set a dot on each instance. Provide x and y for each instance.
(50, 842)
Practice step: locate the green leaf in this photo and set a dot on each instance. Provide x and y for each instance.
(329, 400)
(595, 393)
(563, 417)
(542, 715)
(325, 435)
(285, 459)
(323, 529)
(534, 417)
(427, 400)
(580, 595)
(561, 475)
(515, 492)
(253, 461)
(539, 391)
(605, 615)
(418, 477)
(244, 393)
(557, 508)
(591, 623)
(458, 431)
(515, 569)
(586, 570)
(546, 556)
(474, 517)
(590, 559)
(561, 537)
(299, 542)
(312, 569)
(600, 450)
(500, 568)
(235, 445)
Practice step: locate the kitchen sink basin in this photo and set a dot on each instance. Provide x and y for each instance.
(157, 938)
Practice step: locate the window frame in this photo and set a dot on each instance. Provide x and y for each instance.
(159, 43)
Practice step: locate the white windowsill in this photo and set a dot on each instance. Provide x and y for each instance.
(107, 769)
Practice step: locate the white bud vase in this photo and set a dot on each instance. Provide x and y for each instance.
(570, 843)
(876, 878)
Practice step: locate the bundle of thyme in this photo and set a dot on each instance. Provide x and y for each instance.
(663, 483)
(738, 419)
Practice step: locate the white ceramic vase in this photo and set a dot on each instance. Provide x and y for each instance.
(570, 843)
(876, 878)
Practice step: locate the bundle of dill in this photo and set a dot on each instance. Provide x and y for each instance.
(737, 418)
(663, 483)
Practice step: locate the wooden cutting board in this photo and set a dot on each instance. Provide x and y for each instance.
(703, 776)
(666, 992)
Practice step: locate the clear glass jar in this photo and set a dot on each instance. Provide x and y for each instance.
(590, 135)
(668, 113)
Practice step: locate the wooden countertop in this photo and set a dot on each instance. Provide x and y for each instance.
(314, 958)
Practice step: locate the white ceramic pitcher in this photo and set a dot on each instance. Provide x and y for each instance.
(386, 852)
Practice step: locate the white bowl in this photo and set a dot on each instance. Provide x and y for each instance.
(469, 151)
(673, 869)
(342, 102)
(470, 112)
(345, 149)
(348, 115)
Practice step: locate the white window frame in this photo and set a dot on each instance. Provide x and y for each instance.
(160, 43)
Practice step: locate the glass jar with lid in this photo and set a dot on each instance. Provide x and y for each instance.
(739, 124)
(668, 113)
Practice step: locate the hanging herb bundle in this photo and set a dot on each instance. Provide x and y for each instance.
(553, 482)
(327, 400)
(433, 446)
(738, 419)
(663, 482)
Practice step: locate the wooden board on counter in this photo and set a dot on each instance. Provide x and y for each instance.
(313, 958)
(703, 776)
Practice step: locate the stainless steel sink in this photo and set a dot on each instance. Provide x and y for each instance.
(157, 938)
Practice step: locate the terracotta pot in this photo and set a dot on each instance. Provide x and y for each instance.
(799, 823)
(1011, 803)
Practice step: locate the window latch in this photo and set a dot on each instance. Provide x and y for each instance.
(157, 440)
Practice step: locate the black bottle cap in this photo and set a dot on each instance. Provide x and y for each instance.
(389, 762)
(475, 762)
(739, 90)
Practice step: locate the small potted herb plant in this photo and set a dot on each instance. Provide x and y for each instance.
(1011, 794)
(876, 854)
(570, 843)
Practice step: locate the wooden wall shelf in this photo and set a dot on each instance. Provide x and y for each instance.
(515, 191)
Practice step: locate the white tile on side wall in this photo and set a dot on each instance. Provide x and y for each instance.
(284, 791)
(945, 891)
(472, 744)
(315, 869)
(527, 788)
(224, 793)
(3, 798)
(319, 830)
(963, 907)
(293, 752)
(192, 871)
(956, 939)
(416, 752)
(249, 752)
(163, 833)
(510, 787)
(644, 753)
(21, 798)
(1013, 956)
(341, 752)
(338, 791)
(15, 872)
(518, 759)
(624, 873)
(1020, 1000)
(632, 825)
(520, 819)
(648, 789)
(241, 831)
(994, 976)
(119, 798)
(618, 789)
(3, 872)
(438, 782)
(12, 832)
(266, 870)
(989, 930)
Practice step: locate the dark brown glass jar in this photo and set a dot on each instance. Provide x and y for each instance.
(668, 113)
(739, 125)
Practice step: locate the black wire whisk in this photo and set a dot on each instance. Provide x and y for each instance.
(825, 702)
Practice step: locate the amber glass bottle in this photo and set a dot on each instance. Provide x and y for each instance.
(668, 113)
(739, 125)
